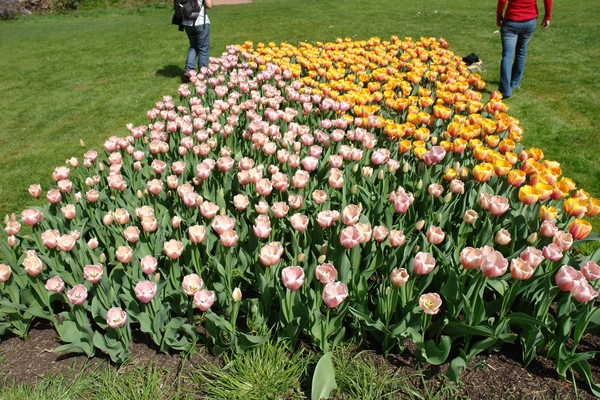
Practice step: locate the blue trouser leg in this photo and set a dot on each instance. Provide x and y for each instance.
(199, 51)
(515, 38)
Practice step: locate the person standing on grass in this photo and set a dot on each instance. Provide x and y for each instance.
(516, 29)
(198, 32)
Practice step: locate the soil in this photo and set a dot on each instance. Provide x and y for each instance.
(497, 376)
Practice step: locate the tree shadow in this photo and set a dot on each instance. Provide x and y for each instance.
(170, 71)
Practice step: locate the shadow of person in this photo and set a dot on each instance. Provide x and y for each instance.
(170, 71)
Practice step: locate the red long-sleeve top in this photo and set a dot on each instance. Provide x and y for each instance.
(522, 10)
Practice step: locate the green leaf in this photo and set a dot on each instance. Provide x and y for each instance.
(323, 382)
(583, 369)
(457, 365)
(432, 353)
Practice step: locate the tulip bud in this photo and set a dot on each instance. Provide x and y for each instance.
(323, 251)
(421, 167)
(100, 167)
(354, 189)
(113, 198)
(6, 219)
(446, 169)
(420, 184)
(355, 168)
(236, 296)
(387, 290)
(102, 258)
(11, 241)
(419, 225)
(416, 249)
(81, 143)
(301, 257)
(380, 175)
(405, 167)
(464, 173)
(156, 277)
(532, 238)
(438, 217)
(322, 259)
(254, 309)
(139, 194)
(145, 192)
(447, 198)
(456, 166)
(433, 140)
(222, 212)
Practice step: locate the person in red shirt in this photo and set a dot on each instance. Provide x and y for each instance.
(517, 26)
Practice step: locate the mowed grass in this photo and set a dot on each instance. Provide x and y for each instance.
(86, 75)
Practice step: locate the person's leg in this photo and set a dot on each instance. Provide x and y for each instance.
(204, 46)
(508, 33)
(518, 67)
(192, 55)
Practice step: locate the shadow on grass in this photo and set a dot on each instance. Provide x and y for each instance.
(170, 71)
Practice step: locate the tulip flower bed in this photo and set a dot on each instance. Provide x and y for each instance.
(347, 189)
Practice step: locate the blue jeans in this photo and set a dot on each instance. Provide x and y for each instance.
(515, 37)
(199, 50)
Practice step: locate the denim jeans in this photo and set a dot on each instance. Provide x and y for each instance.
(199, 36)
(515, 37)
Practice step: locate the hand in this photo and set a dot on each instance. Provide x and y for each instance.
(499, 22)
(545, 24)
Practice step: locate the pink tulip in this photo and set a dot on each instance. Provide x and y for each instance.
(209, 209)
(380, 156)
(131, 234)
(145, 291)
(93, 243)
(582, 291)
(502, 237)
(77, 295)
(336, 178)
(350, 237)
(124, 254)
(292, 277)
(457, 186)
(264, 187)
(240, 202)
(204, 299)
(32, 263)
(149, 223)
(494, 264)
(334, 293)
(65, 243)
(35, 191)
(402, 201)
(92, 195)
(498, 205)
(173, 249)
(299, 222)
(326, 273)
(590, 270)
(121, 215)
(280, 209)
(93, 273)
(365, 232)
(31, 216)
(563, 239)
(552, 252)
(470, 216)
(261, 207)
(319, 196)
(50, 238)
(336, 161)
(271, 253)
(423, 263)
(61, 173)
(471, 258)
(148, 264)
(69, 211)
(116, 317)
(520, 269)
(197, 233)
(158, 166)
(222, 223)
(5, 272)
(399, 277)
(55, 284)
(262, 226)
(12, 228)
(435, 190)
(548, 229)
(430, 303)
(435, 235)
(300, 179)
(532, 255)
(434, 155)
(310, 163)
(229, 238)
(566, 278)
(396, 238)
(53, 196)
(64, 186)
(380, 233)
(350, 214)
(327, 218)
(191, 284)
(154, 186)
(295, 201)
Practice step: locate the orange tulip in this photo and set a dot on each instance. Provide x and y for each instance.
(528, 194)
(516, 177)
(483, 172)
(593, 207)
(548, 213)
(404, 146)
(506, 145)
(481, 153)
(450, 175)
(502, 167)
(459, 145)
(544, 189)
(574, 207)
(579, 228)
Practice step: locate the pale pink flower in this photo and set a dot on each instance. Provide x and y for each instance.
(292, 277)
(532, 255)
(590, 270)
(299, 222)
(435, 189)
(402, 201)
(35, 190)
(131, 234)
(471, 258)
(208, 209)
(116, 317)
(12, 228)
(77, 295)
(236, 295)
(351, 214)
(399, 277)
(327, 218)
(148, 264)
(434, 155)
(435, 235)
(457, 186)
(145, 291)
(498, 205)
(336, 178)
(430, 303)
(191, 284)
(173, 249)
(521, 269)
(494, 264)
(55, 284)
(31, 216)
(271, 253)
(154, 186)
(53, 196)
(548, 228)
(365, 232)
(204, 299)
(334, 293)
(280, 209)
(262, 226)
(240, 202)
(158, 166)
(197, 233)
(336, 161)
(350, 236)
(566, 277)
(32, 263)
(295, 201)
(261, 207)
(5, 272)
(50, 238)
(319, 196)
(396, 238)
(552, 252)
(470, 216)
(502, 237)
(222, 223)
(563, 239)
(229, 238)
(300, 179)
(423, 263)
(149, 223)
(326, 273)
(583, 292)
(65, 242)
(64, 186)
(93, 272)
(310, 163)
(121, 215)
(380, 233)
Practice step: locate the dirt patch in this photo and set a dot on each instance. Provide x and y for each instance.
(497, 376)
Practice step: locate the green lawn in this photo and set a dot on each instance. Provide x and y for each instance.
(85, 76)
